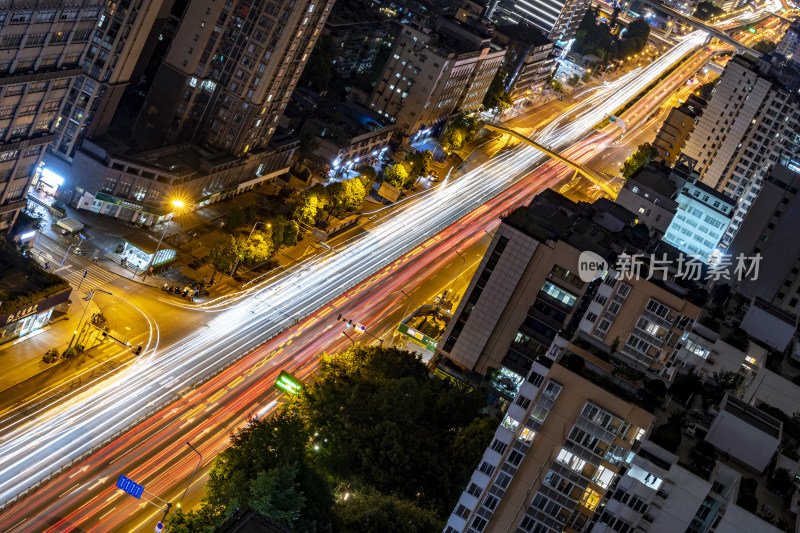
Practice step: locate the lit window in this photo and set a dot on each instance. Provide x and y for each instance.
(510, 424)
(527, 435)
(590, 499)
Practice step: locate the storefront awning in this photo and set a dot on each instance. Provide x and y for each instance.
(144, 241)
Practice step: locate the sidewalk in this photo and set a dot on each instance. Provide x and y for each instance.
(22, 358)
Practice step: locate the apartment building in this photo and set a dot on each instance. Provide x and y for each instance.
(529, 60)
(658, 495)
(671, 136)
(356, 44)
(642, 320)
(527, 286)
(229, 74)
(63, 69)
(138, 187)
(789, 45)
(650, 194)
(430, 76)
(703, 216)
(750, 124)
(556, 452)
(769, 229)
(558, 20)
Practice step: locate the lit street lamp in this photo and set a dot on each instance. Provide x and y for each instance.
(178, 204)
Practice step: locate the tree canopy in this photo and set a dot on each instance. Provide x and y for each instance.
(642, 156)
(598, 38)
(396, 174)
(706, 10)
(374, 444)
(497, 97)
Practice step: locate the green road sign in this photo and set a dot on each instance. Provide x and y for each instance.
(288, 383)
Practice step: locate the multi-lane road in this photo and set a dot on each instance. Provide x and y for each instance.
(87, 434)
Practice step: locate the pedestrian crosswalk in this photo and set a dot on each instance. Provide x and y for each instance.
(77, 270)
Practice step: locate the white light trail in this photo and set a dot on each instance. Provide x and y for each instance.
(64, 432)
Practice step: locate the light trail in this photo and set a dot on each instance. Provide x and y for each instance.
(86, 420)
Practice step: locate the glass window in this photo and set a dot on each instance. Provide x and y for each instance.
(510, 423)
(559, 294)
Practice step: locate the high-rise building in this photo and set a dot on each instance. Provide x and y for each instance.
(789, 45)
(560, 445)
(431, 76)
(529, 60)
(229, 73)
(671, 136)
(770, 230)
(64, 68)
(700, 222)
(750, 124)
(527, 286)
(658, 495)
(558, 20)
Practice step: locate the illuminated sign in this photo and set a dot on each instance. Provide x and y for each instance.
(288, 383)
(26, 236)
(51, 178)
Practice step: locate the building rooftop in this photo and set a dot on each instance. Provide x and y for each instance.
(656, 177)
(551, 216)
(524, 33)
(23, 282)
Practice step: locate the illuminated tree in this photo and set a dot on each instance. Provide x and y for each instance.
(452, 140)
(396, 175)
(642, 156)
(306, 210)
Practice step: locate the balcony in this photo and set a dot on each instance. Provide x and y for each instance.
(15, 205)
(28, 76)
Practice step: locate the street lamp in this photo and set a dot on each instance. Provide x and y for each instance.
(189, 444)
(239, 256)
(177, 204)
(88, 298)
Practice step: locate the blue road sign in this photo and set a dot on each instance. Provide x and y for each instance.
(82, 237)
(131, 487)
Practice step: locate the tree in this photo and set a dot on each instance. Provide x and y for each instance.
(379, 401)
(497, 97)
(706, 10)
(306, 210)
(396, 175)
(290, 233)
(258, 248)
(367, 176)
(558, 87)
(642, 156)
(278, 493)
(452, 139)
(369, 511)
(347, 194)
(224, 252)
(419, 162)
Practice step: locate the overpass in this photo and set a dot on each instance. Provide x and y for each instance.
(700, 25)
(592, 176)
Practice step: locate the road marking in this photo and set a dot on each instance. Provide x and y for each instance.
(71, 489)
(98, 482)
(108, 513)
(235, 382)
(79, 471)
(18, 523)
